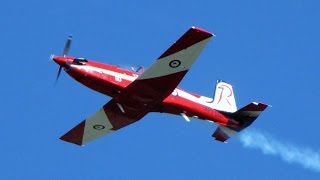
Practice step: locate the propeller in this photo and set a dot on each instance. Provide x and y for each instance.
(67, 46)
(65, 53)
(58, 75)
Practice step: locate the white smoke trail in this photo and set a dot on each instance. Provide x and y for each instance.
(290, 153)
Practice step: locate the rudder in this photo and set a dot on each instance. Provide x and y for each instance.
(224, 99)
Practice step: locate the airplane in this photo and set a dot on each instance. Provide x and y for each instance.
(136, 91)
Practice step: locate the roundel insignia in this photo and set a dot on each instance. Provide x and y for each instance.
(175, 63)
(98, 127)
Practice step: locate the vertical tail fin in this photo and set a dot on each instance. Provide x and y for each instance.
(224, 99)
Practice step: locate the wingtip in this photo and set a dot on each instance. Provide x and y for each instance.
(75, 135)
(193, 36)
(69, 141)
(202, 30)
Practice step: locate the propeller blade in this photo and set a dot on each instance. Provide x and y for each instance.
(65, 53)
(58, 75)
(67, 47)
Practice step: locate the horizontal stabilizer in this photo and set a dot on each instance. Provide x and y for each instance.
(223, 133)
(244, 117)
(249, 113)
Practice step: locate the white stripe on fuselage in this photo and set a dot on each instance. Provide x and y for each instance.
(104, 71)
(200, 100)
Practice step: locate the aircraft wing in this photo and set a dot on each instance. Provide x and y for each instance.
(106, 120)
(143, 94)
(158, 81)
(180, 56)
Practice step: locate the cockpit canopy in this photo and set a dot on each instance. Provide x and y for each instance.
(136, 69)
(79, 61)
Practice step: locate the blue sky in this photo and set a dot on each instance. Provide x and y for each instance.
(269, 51)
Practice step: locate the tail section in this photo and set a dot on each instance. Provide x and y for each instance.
(249, 113)
(224, 99)
(223, 133)
(241, 119)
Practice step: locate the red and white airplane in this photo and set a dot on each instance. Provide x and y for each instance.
(135, 92)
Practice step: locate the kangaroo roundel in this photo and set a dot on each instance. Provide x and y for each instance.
(98, 127)
(175, 63)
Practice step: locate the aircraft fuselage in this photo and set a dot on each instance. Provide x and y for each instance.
(111, 80)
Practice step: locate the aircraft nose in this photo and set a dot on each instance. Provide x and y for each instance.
(59, 60)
